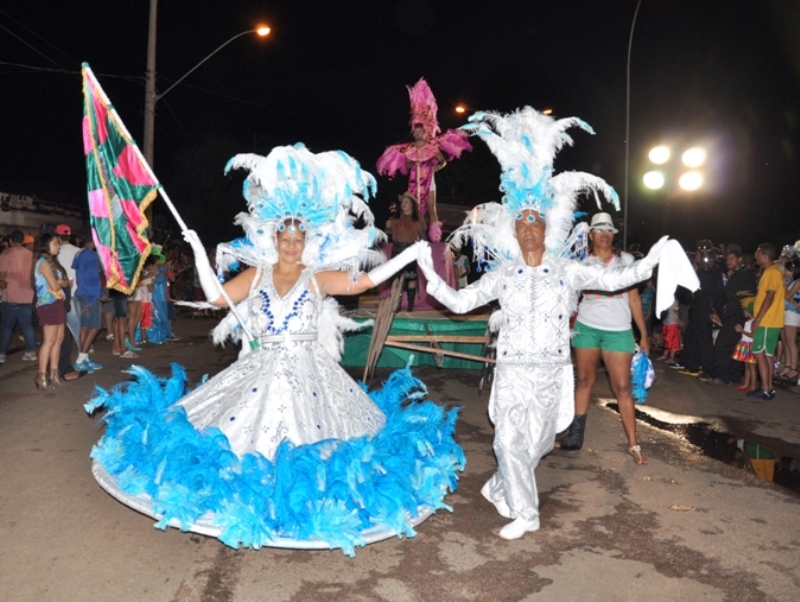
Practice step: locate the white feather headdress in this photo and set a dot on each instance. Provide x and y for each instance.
(326, 192)
(525, 143)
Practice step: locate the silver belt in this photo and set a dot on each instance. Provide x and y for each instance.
(286, 338)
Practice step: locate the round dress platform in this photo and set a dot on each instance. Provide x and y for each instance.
(205, 524)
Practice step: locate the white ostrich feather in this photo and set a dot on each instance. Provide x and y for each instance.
(525, 143)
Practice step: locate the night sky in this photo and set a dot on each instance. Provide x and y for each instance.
(723, 73)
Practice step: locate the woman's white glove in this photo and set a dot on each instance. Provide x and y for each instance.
(205, 274)
(383, 272)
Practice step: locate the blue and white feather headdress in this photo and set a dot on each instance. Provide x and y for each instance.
(525, 143)
(325, 194)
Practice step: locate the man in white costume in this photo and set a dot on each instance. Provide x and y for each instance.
(527, 244)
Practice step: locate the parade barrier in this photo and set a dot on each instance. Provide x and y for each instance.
(462, 335)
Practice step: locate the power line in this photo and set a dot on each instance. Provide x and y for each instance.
(64, 71)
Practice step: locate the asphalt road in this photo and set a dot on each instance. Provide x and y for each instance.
(683, 527)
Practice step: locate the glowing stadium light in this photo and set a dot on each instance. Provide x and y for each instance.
(691, 180)
(654, 180)
(694, 157)
(659, 155)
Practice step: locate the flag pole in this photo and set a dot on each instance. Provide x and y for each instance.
(162, 192)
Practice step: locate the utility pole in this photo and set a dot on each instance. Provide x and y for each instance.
(627, 130)
(150, 86)
(150, 101)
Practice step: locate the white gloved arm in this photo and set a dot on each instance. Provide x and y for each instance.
(383, 272)
(600, 278)
(653, 256)
(205, 274)
(476, 294)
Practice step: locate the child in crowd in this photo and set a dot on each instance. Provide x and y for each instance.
(671, 331)
(743, 354)
(160, 330)
(144, 294)
(461, 265)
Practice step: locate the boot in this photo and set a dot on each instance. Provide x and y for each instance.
(411, 294)
(573, 440)
(42, 382)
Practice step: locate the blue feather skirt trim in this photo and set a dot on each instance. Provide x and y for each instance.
(331, 491)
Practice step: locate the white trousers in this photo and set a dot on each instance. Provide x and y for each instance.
(524, 408)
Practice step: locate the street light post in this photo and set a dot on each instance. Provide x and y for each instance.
(150, 85)
(628, 131)
(150, 88)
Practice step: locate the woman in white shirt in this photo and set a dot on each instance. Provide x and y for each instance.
(603, 329)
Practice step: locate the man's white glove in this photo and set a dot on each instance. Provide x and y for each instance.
(425, 261)
(205, 274)
(383, 272)
(653, 256)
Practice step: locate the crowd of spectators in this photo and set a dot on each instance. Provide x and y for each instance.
(739, 328)
(58, 272)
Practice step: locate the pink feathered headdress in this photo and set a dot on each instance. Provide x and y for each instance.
(423, 108)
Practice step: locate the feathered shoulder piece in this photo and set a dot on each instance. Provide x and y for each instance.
(326, 193)
(525, 143)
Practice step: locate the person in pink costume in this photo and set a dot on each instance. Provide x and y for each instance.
(425, 154)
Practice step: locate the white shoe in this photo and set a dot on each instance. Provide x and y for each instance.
(519, 527)
(29, 356)
(501, 506)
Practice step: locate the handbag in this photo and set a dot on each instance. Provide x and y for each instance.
(642, 375)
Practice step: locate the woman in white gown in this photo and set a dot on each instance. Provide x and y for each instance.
(283, 448)
(293, 390)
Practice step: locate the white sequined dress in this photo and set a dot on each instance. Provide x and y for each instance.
(282, 448)
(291, 388)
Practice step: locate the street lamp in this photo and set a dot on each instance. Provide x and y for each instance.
(628, 130)
(150, 89)
(691, 179)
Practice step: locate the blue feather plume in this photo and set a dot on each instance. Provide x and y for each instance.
(331, 490)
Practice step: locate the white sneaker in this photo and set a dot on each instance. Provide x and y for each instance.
(29, 356)
(2, 358)
(501, 506)
(519, 527)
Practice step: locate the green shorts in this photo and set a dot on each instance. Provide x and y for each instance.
(586, 337)
(765, 340)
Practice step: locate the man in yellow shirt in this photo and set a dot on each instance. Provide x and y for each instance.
(768, 319)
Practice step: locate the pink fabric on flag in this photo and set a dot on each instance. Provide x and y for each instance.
(131, 211)
(101, 132)
(110, 263)
(130, 168)
(141, 245)
(97, 204)
(87, 135)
